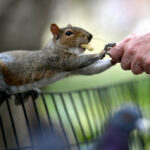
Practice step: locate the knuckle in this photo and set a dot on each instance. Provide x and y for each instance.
(124, 66)
(136, 67)
(147, 63)
(131, 51)
(139, 58)
(114, 56)
(134, 72)
(147, 70)
(133, 69)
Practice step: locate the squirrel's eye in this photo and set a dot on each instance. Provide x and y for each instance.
(69, 33)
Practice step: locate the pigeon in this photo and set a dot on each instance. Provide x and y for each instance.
(119, 126)
(49, 140)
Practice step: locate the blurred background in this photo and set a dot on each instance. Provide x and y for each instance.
(25, 25)
(108, 21)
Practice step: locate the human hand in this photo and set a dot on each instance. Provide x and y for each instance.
(133, 52)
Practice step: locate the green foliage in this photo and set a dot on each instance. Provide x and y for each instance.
(87, 110)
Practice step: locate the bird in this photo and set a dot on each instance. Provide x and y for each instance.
(47, 139)
(51, 141)
(119, 126)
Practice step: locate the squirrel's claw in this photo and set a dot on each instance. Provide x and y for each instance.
(3, 96)
(106, 49)
(26, 95)
(109, 46)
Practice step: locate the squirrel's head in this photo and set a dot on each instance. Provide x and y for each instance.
(70, 38)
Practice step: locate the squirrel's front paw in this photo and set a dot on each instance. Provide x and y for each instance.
(106, 49)
(5, 94)
(109, 46)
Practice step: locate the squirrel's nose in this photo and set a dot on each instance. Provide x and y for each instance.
(89, 36)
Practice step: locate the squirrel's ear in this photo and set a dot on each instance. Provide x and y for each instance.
(54, 29)
(69, 25)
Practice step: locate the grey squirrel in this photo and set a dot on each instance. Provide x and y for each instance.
(22, 71)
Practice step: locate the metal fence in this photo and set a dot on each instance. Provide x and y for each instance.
(77, 116)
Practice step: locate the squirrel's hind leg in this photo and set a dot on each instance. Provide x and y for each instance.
(5, 94)
(26, 95)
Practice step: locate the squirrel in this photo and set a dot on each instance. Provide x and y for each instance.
(22, 71)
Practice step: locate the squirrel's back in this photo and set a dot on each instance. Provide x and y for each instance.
(30, 69)
(23, 67)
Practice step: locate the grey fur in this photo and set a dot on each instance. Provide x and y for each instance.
(35, 69)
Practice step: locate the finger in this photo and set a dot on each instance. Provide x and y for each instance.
(113, 62)
(146, 64)
(128, 56)
(116, 52)
(126, 61)
(137, 65)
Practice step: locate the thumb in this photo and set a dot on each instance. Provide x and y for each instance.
(117, 51)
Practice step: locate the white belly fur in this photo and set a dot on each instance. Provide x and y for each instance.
(38, 84)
